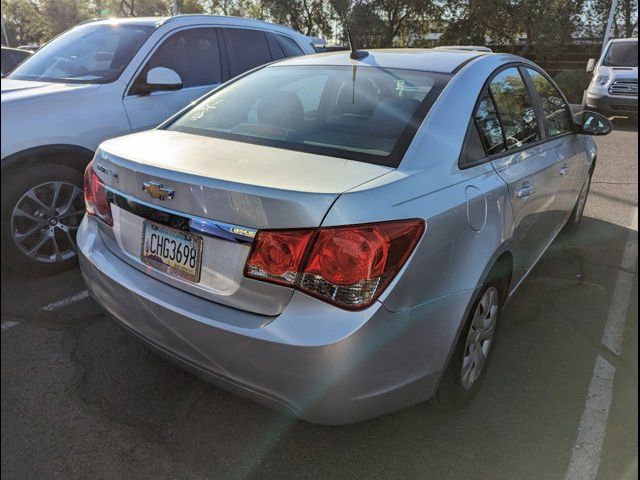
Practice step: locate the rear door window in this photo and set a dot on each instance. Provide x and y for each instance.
(246, 49)
(557, 114)
(515, 108)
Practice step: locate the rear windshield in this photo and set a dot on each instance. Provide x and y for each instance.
(622, 54)
(361, 113)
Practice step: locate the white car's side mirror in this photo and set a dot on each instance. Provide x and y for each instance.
(591, 65)
(161, 78)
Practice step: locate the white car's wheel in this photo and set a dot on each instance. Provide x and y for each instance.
(42, 207)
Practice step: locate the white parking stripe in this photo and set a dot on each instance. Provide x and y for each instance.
(66, 301)
(8, 324)
(585, 458)
(613, 334)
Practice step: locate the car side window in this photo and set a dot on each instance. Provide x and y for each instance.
(557, 114)
(488, 123)
(283, 47)
(247, 49)
(194, 54)
(290, 47)
(515, 108)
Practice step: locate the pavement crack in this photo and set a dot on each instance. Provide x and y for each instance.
(81, 388)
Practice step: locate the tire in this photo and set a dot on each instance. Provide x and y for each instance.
(578, 210)
(455, 390)
(36, 219)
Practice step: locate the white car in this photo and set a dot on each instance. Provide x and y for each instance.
(100, 80)
(614, 87)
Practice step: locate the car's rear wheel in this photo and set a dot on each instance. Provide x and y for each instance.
(468, 363)
(42, 207)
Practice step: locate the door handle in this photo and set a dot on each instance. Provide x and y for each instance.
(564, 171)
(526, 190)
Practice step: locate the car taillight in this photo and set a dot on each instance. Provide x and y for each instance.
(346, 266)
(95, 196)
(276, 255)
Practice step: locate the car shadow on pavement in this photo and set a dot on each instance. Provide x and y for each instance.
(91, 388)
(625, 124)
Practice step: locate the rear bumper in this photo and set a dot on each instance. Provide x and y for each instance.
(625, 106)
(321, 363)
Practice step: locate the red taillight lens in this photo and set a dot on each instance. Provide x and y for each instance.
(95, 196)
(351, 266)
(276, 255)
(347, 266)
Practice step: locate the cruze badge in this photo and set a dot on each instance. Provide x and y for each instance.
(158, 190)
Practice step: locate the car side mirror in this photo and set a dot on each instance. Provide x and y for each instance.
(591, 65)
(595, 124)
(159, 79)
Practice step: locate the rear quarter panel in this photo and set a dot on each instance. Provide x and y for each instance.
(467, 211)
(467, 224)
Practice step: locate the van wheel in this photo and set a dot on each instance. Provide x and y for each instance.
(468, 364)
(42, 207)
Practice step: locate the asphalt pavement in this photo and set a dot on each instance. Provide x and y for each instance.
(83, 399)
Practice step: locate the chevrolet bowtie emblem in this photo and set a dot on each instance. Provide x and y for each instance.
(158, 190)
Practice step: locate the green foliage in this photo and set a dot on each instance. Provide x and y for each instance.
(573, 83)
(311, 17)
(522, 26)
(23, 21)
(597, 13)
(546, 25)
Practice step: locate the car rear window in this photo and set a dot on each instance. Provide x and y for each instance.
(361, 113)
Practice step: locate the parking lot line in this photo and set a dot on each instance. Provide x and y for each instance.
(585, 458)
(613, 334)
(7, 325)
(66, 301)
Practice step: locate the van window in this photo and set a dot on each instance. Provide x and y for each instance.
(622, 54)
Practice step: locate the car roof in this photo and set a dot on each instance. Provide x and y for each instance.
(428, 60)
(196, 19)
(618, 40)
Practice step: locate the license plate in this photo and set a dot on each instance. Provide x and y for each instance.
(172, 251)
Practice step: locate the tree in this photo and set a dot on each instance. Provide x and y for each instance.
(311, 17)
(23, 21)
(547, 24)
(64, 14)
(387, 23)
(597, 13)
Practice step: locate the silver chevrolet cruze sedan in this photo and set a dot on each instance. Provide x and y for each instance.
(335, 235)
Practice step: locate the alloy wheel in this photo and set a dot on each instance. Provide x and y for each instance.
(45, 219)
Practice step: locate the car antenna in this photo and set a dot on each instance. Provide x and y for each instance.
(355, 54)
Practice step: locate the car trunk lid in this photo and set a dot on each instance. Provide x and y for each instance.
(222, 191)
